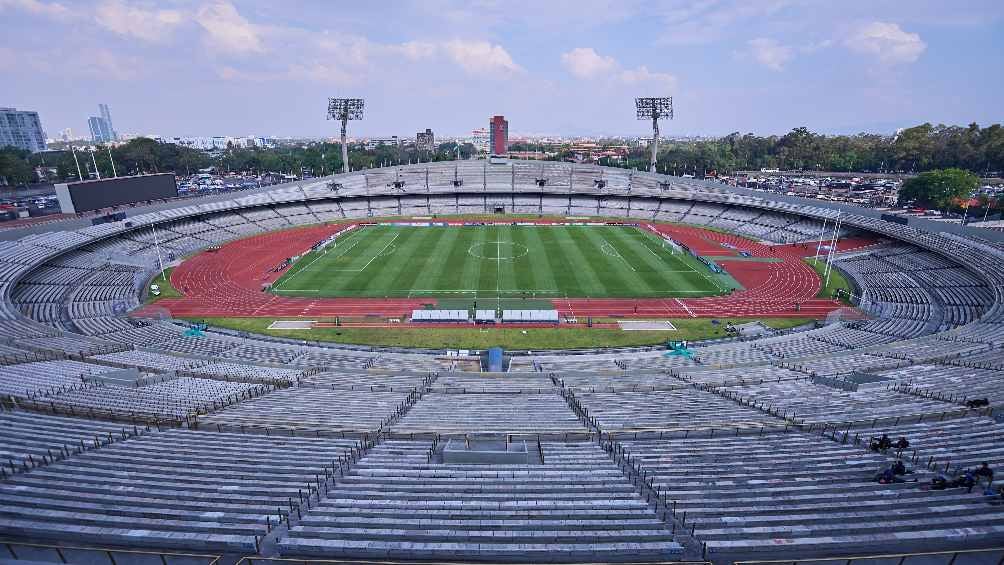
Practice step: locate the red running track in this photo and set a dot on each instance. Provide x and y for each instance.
(228, 283)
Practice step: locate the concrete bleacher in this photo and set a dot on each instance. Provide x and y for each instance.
(251, 423)
(790, 493)
(174, 489)
(396, 504)
(175, 398)
(32, 380)
(678, 409)
(490, 413)
(29, 440)
(807, 402)
(314, 409)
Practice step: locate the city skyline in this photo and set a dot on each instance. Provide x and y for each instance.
(206, 67)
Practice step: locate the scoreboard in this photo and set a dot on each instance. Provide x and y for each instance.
(106, 193)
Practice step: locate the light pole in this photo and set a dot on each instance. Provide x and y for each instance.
(97, 173)
(654, 109)
(114, 172)
(77, 163)
(343, 110)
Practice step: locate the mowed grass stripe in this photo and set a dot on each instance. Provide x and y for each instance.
(417, 249)
(697, 277)
(439, 248)
(399, 261)
(488, 275)
(620, 278)
(516, 264)
(647, 277)
(317, 259)
(587, 261)
(538, 274)
(359, 280)
(642, 259)
(473, 265)
(567, 278)
(660, 274)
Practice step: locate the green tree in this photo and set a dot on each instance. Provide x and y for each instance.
(938, 189)
(15, 168)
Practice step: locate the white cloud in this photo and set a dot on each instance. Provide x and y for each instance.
(585, 62)
(770, 53)
(480, 57)
(227, 30)
(138, 22)
(47, 9)
(886, 42)
(325, 73)
(416, 50)
(86, 63)
(689, 22)
(643, 76)
(105, 64)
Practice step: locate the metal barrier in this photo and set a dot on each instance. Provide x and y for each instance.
(15, 550)
(256, 560)
(992, 556)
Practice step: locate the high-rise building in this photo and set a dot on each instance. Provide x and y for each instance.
(499, 135)
(103, 108)
(101, 131)
(425, 141)
(21, 129)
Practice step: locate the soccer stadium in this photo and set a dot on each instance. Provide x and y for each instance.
(131, 426)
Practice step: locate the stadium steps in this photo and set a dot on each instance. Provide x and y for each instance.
(395, 504)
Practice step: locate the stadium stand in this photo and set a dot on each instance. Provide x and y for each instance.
(743, 448)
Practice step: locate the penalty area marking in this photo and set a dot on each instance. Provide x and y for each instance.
(613, 252)
(373, 258)
(321, 253)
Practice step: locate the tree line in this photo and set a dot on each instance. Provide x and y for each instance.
(913, 150)
(921, 148)
(144, 155)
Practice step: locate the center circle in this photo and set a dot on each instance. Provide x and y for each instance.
(498, 250)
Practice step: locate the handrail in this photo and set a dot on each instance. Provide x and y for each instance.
(903, 557)
(213, 559)
(257, 560)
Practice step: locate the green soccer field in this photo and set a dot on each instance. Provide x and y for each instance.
(500, 261)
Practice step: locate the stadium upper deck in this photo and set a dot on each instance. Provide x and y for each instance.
(753, 447)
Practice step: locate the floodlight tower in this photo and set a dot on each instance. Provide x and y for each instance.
(343, 110)
(654, 109)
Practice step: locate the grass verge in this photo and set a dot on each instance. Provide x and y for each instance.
(167, 290)
(837, 280)
(567, 337)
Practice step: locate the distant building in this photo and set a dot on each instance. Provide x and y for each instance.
(220, 143)
(101, 131)
(21, 129)
(499, 135)
(479, 139)
(107, 116)
(101, 127)
(374, 142)
(425, 141)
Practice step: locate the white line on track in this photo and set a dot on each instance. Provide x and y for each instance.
(681, 303)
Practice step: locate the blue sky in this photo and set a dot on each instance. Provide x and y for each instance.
(236, 67)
